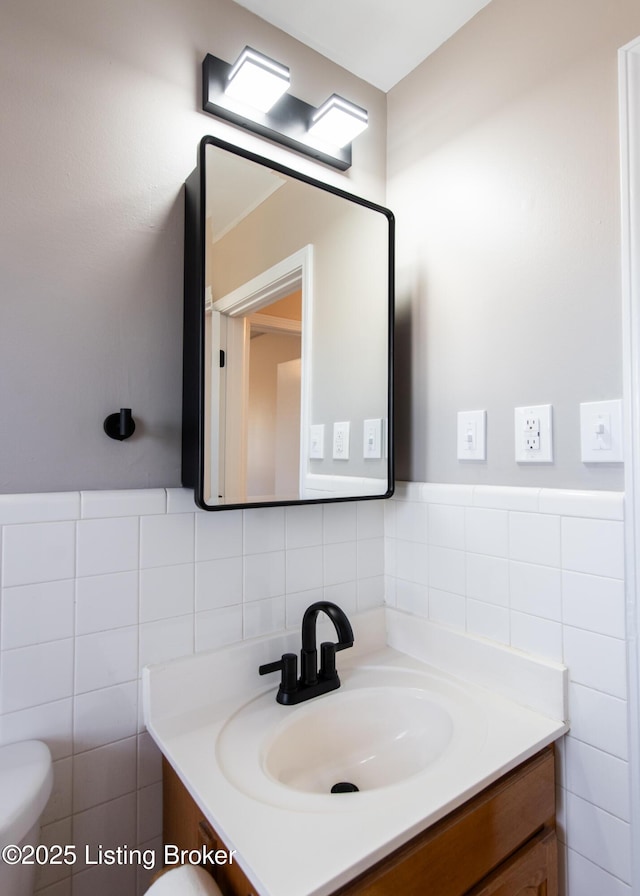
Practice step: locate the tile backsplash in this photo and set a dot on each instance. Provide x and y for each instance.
(542, 571)
(97, 584)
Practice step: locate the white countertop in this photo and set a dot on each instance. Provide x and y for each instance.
(291, 843)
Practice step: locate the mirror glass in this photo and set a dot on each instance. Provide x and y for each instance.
(295, 304)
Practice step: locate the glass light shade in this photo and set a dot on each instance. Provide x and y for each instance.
(338, 121)
(256, 80)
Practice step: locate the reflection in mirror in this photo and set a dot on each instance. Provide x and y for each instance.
(288, 303)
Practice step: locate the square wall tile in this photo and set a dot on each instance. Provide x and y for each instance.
(106, 715)
(216, 628)
(370, 555)
(596, 660)
(263, 529)
(584, 878)
(166, 639)
(38, 552)
(166, 591)
(412, 598)
(488, 621)
(603, 837)
(536, 590)
(598, 777)
(536, 636)
(593, 546)
(370, 518)
(340, 562)
(218, 583)
(303, 569)
(446, 526)
(411, 561)
(106, 602)
(104, 774)
(487, 531)
(487, 579)
(262, 617)
(33, 614)
(599, 719)
(447, 609)
(106, 658)
(303, 526)
(411, 521)
(264, 575)
(339, 522)
(297, 603)
(594, 603)
(447, 570)
(370, 593)
(167, 540)
(534, 538)
(51, 722)
(107, 545)
(218, 535)
(33, 675)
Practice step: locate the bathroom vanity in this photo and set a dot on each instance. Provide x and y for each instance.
(500, 843)
(453, 758)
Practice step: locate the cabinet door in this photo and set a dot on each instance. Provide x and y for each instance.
(532, 871)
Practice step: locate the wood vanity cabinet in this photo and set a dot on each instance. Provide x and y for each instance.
(500, 843)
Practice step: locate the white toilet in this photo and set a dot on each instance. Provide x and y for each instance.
(26, 779)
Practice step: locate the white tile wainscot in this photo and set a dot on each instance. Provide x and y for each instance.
(97, 584)
(542, 571)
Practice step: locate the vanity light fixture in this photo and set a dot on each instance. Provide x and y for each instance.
(257, 80)
(338, 121)
(288, 121)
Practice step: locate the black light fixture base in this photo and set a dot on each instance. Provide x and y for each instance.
(287, 123)
(120, 426)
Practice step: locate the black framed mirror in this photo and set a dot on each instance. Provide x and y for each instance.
(288, 336)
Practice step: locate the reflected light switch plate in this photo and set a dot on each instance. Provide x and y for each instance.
(316, 441)
(372, 439)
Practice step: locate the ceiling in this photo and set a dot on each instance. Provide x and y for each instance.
(380, 41)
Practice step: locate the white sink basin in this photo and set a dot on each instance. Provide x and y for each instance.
(369, 737)
(381, 728)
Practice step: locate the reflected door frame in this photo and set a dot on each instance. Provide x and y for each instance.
(288, 275)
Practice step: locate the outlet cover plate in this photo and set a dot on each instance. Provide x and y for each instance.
(341, 440)
(534, 434)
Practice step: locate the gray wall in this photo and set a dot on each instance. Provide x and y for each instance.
(504, 177)
(99, 104)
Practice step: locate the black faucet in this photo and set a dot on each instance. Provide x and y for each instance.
(312, 682)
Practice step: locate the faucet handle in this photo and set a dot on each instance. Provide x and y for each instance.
(288, 664)
(328, 660)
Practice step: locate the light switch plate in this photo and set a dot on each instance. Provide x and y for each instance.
(534, 434)
(472, 435)
(341, 440)
(316, 441)
(601, 432)
(372, 439)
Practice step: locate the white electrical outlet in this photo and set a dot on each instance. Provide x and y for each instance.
(341, 440)
(533, 434)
